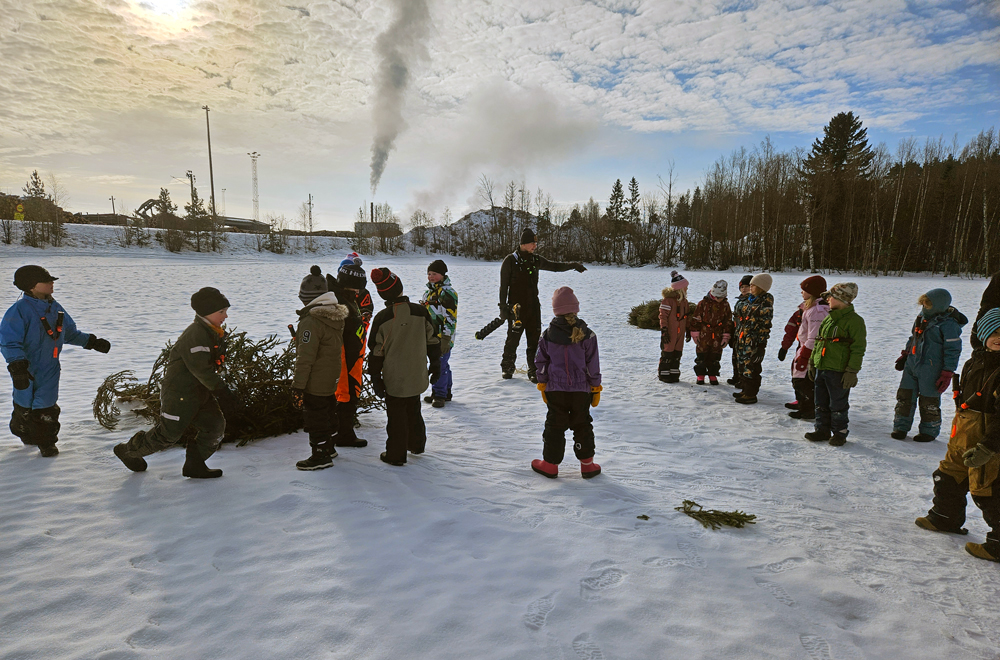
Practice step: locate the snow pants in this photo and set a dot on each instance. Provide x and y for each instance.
(206, 419)
(669, 369)
(442, 388)
(917, 389)
(404, 428)
(831, 403)
(531, 323)
(319, 419)
(707, 363)
(805, 394)
(36, 426)
(953, 481)
(568, 410)
(343, 418)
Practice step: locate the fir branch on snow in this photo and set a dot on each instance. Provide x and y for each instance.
(714, 518)
(258, 372)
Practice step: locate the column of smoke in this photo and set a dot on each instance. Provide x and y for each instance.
(398, 49)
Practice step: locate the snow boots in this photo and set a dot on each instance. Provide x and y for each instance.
(194, 465)
(817, 436)
(435, 401)
(589, 469)
(550, 470)
(838, 440)
(982, 551)
(382, 457)
(712, 380)
(898, 435)
(746, 399)
(922, 437)
(132, 461)
(927, 523)
(794, 405)
(320, 459)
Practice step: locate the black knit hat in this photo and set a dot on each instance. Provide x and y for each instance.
(26, 277)
(350, 274)
(438, 266)
(746, 280)
(208, 300)
(388, 283)
(313, 286)
(527, 236)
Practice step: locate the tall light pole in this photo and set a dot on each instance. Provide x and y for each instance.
(223, 201)
(211, 176)
(190, 176)
(112, 198)
(253, 169)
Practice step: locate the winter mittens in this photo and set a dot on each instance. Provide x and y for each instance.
(782, 352)
(541, 388)
(595, 395)
(95, 343)
(19, 374)
(901, 360)
(435, 372)
(849, 380)
(943, 381)
(802, 361)
(978, 456)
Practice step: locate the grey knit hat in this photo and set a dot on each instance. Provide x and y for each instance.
(313, 285)
(720, 290)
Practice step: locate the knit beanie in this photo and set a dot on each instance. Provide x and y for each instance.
(350, 274)
(564, 301)
(677, 281)
(988, 323)
(745, 280)
(388, 283)
(814, 286)
(845, 292)
(313, 285)
(940, 301)
(762, 281)
(527, 236)
(208, 300)
(438, 266)
(720, 290)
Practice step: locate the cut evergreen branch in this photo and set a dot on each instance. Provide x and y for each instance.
(258, 372)
(714, 518)
(646, 315)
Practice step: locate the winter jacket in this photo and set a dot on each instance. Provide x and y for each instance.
(402, 340)
(841, 342)
(753, 320)
(441, 302)
(991, 299)
(812, 319)
(935, 343)
(713, 321)
(519, 277)
(192, 370)
(978, 391)
(564, 366)
(23, 337)
(359, 307)
(792, 328)
(319, 346)
(674, 311)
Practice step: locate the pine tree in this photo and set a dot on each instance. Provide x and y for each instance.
(35, 187)
(616, 220)
(198, 219)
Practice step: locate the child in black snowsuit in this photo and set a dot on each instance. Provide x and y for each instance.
(972, 462)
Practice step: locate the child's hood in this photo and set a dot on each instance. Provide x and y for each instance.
(671, 292)
(327, 307)
(560, 331)
(940, 302)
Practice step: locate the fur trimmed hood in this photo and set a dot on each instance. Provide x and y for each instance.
(326, 307)
(671, 292)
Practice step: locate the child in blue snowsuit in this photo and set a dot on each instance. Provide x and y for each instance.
(928, 363)
(32, 335)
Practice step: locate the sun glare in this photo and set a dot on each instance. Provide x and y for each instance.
(169, 7)
(163, 19)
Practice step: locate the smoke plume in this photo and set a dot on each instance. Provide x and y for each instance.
(398, 49)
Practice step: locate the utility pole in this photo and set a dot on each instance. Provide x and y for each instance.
(211, 175)
(112, 198)
(310, 213)
(253, 168)
(190, 176)
(223, 201)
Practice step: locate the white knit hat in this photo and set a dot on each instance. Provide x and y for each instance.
(720, 290)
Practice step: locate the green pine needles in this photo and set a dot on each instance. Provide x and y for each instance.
(714, 518)
(646, 315)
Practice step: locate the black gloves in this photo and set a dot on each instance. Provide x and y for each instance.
(378, 385)
(757, 355)
(435, 371)
(504, 311)
(578, 267)
(228, 402)
(782, 352)
(901, 360)
(95, 343)
(19, 374)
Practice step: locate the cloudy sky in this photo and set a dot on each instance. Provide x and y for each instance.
(566, 95)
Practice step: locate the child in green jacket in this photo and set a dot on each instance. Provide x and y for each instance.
(835, 363)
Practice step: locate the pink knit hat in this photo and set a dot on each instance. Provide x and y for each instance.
(564, 302)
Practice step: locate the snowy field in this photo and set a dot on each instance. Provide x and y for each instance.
(465, 553)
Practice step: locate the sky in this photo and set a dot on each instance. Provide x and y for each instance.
(107, 95)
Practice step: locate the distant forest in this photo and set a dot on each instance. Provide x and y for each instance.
(840, 205)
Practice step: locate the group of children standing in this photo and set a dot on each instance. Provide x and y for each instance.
(410, 345)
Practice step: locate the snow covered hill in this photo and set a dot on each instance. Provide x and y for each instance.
(464, 553)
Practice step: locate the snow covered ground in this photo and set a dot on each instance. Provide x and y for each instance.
(465, 553)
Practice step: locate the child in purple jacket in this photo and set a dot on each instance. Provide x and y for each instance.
(569, 376)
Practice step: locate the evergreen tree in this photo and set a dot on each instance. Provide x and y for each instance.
(844, 148)
(198, 220)
(616, 222)
(35, 187)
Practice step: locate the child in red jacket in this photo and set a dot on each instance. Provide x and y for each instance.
(711, 327)
(674, 310)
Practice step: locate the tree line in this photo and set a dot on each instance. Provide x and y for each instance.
(839, 205)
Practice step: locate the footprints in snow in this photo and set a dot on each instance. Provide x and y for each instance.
(586, 649)
(691, 559)
(591, 587)
(817, 647)
(538, 611)
(251, 471)
(775, 590)
(535, 616)
(779, 566)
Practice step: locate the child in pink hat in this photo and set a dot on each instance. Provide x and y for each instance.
(569, 377)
